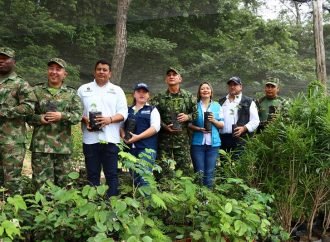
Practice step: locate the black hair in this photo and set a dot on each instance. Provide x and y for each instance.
(103, 62)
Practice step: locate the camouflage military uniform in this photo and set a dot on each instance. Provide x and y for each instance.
(174, 146)
(51, 144)
(16, 102)
(269, 108)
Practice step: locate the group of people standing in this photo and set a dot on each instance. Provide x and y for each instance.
(172, 125)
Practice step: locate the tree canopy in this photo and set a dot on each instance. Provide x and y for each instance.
(207, 40)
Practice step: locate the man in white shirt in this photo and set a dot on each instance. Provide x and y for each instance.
(240, 116)
(105, 106)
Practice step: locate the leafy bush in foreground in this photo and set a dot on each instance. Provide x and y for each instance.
(176, 208)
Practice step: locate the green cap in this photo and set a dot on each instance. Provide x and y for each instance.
(273, 81)
(58, 61)
(7, 51)
(172, 69)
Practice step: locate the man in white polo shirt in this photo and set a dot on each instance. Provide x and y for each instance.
(105, 106)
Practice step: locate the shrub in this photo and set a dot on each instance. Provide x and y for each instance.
(173, 209)
(291, 159)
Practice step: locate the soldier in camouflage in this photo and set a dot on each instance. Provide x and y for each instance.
(176, 107)
(271, 104)
(58, 107)
(16, 102)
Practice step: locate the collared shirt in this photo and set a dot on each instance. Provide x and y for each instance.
(109, 99)
(230, 112)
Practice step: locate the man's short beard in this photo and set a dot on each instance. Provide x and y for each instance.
(5, 71)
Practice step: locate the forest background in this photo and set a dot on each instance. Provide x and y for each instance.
(206, 40)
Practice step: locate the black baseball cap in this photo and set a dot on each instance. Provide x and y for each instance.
(235, 79)
(141, 85)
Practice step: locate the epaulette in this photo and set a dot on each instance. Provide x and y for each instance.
(69, 87)
(18, 76)
(39, 84)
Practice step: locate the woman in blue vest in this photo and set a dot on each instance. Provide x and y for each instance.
(206, 142)
(143, 140)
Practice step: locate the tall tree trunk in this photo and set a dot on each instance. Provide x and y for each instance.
(119, 55)
(319, 43)
(298, 16)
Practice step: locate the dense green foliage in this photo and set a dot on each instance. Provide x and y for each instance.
(159, 212)
(205, 39)
(291, 160)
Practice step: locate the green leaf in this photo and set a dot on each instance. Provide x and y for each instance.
(116, 226)
(40, 218)
(85, 190)
(253, 217)
(120, 206)
(18, 202)
(240, 227)
(101, 216)
(101, 228)
(39, 197)
(147, 239)
(132, 239)
(10, 228)
(73, 175)
(265, 223)
(149, 222)
(228, 207)
(237, 225)
(197, 235)
(132, 202)
(92, 193)
(101, 190)
(100, 237)
(158, 201)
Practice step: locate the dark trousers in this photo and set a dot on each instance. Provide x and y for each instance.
(232, 144)
(228, 142)
(98, 156)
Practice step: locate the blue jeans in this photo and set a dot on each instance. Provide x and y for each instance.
(98, 156)
(204, 159)
(146, 156)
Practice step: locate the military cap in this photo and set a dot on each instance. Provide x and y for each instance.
(7, 51)
(235, 79)
(172, 69)
(141, 86)
(58, 61)
(272, 81)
